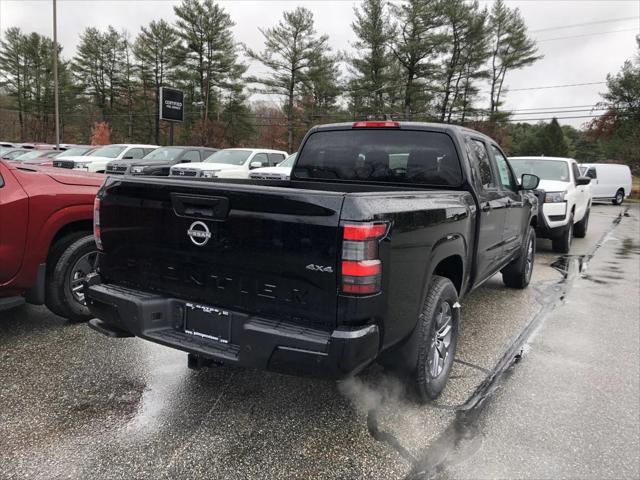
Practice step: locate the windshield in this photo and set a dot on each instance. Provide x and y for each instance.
(379, 155)
(11, 154)
(32, 154)
(230, 157)
(556, 170)
(168, 154)
(290, 160)
(110, 151)
(75, 151)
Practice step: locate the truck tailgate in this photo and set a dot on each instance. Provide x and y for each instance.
(249, 248)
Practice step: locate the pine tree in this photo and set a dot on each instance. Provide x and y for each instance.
(291, 48)
(552, 140)
(157, 51)
(416, 45)
(511, 48)
(210, 53)
(467, 51)
(371, 69)
(98, 67)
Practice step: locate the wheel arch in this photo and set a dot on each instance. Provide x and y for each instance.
(72, 227)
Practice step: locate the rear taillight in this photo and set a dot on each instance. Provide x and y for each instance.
(96, 223)
(361, 267)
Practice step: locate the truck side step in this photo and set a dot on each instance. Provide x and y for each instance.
(108, 329)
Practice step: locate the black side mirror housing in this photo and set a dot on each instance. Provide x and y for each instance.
(583, 181)
(529, 181)
(127, 157)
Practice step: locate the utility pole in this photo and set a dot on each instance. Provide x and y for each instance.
(55, 74)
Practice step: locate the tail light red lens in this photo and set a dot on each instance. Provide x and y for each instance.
(361, 267)
(96, 223)
(376, 124)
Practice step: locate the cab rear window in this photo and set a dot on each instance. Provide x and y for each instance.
(379, 155)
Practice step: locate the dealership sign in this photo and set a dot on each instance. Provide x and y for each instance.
(171, 104)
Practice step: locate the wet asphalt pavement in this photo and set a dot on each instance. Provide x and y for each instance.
(76, 404)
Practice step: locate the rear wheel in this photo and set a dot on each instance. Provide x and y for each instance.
(562, 244)
(518, 273)
(65, 295)
(437, 332)
(619, 198)
(580, 229)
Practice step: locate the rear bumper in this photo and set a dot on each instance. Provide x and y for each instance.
(254, 342)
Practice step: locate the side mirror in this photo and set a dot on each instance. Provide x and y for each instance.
(583, 181)
(127, 157)
(253, 165)
(185, 160)
(529, 181)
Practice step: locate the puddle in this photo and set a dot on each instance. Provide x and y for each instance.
(461, 439)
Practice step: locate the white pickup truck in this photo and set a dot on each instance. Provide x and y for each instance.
(230, 163)
(564, 198)
(97, 160)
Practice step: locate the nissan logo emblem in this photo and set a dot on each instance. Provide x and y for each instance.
(199, 233)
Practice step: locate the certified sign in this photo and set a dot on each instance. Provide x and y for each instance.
(171, 104)
(199, 233)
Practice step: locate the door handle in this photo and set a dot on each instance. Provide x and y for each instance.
(486, 207)
(508, 203)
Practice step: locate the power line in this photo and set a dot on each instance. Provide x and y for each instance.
(574, 25)
(566, 85)
(588, 34)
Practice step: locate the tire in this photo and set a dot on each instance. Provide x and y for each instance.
(55, 252)
(619, 198)
(440, 310)
(580, 228)
(67, 273)
(518, 273)
(562, 244)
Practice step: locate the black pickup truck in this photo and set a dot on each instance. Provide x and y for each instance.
(362, 255)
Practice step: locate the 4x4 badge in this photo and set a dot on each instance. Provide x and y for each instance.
(319, 268)
(199, 233)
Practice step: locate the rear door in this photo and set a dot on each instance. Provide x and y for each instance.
(262, 250)
(516, 215)
(14, 217)
(492, 213)
(583, 193)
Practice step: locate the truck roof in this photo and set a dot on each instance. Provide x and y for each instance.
(431, 126)
(537, 157)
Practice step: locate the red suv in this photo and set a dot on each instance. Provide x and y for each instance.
(46, 241)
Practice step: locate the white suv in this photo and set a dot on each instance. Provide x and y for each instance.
(230, 163)
(97, 160)
(564, 198)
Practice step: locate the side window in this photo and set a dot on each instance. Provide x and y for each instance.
(147, 151)
(191, 156)
(503, 168)
(134, 153)
(576, 171)
(275, 158)
(591, 173)
(480, 163)
(1, 181)
(262, 158)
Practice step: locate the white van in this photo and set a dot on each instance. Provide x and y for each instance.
(609, 181)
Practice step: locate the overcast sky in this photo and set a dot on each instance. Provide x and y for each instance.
(593, 51)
